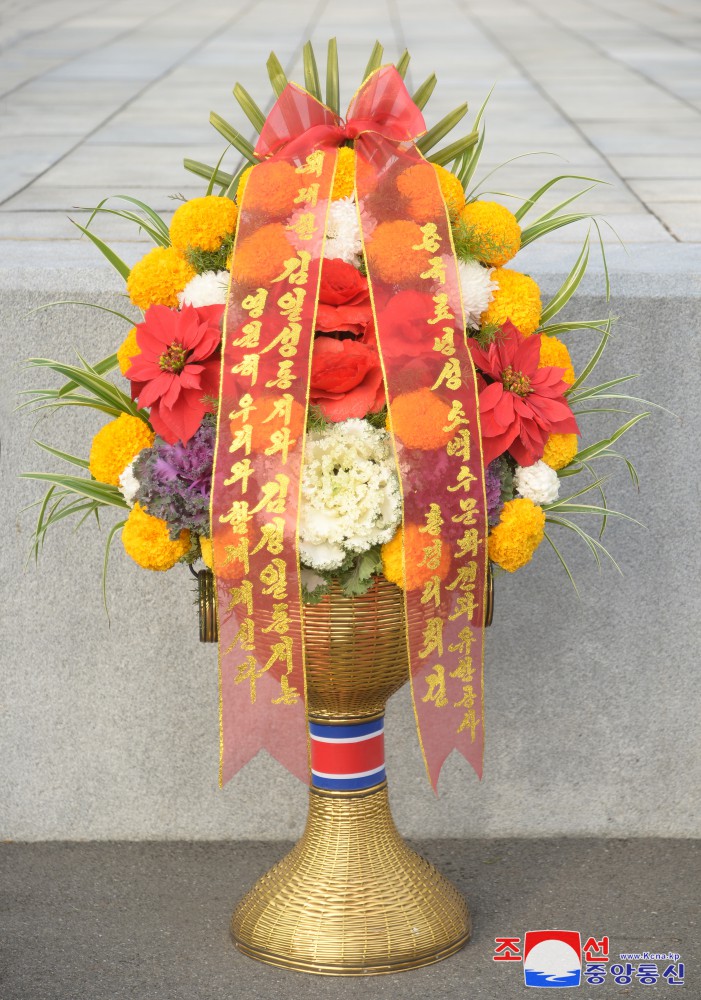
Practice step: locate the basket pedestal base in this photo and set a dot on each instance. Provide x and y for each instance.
(351, 899)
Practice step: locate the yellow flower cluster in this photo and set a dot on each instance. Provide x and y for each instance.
(451, 189)
(203, 223)
(495, 231)
(207, 550)
(127, 350)
(344, 180)
(517, 298)
(520, 531)
(243, 181)
(115, 445)
(554, 354)
(560, 449)
(146, 540)
(157, 278)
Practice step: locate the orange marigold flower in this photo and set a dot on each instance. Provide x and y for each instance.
(203, 223)
(420, 418)
(262, 255)
(157, 278)
(127, 350)
(423, 201)
(392, 254)
(554, 354)
(415, 543)
(271, 188)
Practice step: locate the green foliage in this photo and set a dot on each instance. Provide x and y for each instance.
(210, 260)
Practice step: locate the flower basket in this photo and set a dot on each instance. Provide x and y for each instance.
(348, 408)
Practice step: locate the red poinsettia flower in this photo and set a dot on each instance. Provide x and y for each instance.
(177, 367)
(346, 379)
(344, 299)
(524, 403)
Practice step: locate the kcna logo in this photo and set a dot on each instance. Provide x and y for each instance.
(552, 958)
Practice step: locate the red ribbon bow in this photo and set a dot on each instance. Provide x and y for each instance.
(299, 124)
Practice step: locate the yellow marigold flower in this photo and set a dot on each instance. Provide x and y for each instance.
(203, 223)
(243, 181)
(554, 354)
(418, 572)
(147, 541)
(157, 278)
(115, 445)
(560, 449)
(422, 199)
(517, 298)
(127, 350)
(344, 180)
(495, 231)
(207, 552)
(520, 531)
(391, 253)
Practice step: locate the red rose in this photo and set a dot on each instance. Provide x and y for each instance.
(346, 379)
(344, 299)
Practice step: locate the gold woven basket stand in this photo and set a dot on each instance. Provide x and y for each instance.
(351, 898)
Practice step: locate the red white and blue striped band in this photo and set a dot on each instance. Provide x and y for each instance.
(348, 758)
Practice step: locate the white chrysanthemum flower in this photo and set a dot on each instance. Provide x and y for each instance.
(350, 493)
(129, 484)
(538, 482)
(208, 289)
(343, 239)
(477, 291)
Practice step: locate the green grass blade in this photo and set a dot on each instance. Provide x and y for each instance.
(311, 71)
(89, 488)
(564, 523)
(134, 217)
(107, 252)
(556, 329)
(333, 86)
(471, 161)
(569, 285)
(450, 153)
(539, 229)
(423, 93)
(595, 449)
(210, 186)
(562, 561)
(595, 390)
(206, 171)
(520, 156)
(278, 78)
(72, 459)
(232, 136)
(530, 202)
(375, 60)
(155, 218)
(402, 63)
(585, 508)
(593, 361)
(249, 107)
(441, 128)
(79, 302)
(108, 545)
(232, 188)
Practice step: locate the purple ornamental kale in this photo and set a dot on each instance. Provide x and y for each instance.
(175, 481)
(492, 485)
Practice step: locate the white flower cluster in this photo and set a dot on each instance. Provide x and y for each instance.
(350, 493)
(538, 482)
(477, 291)
(343, 240)
(208, 289)
(128, 483)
